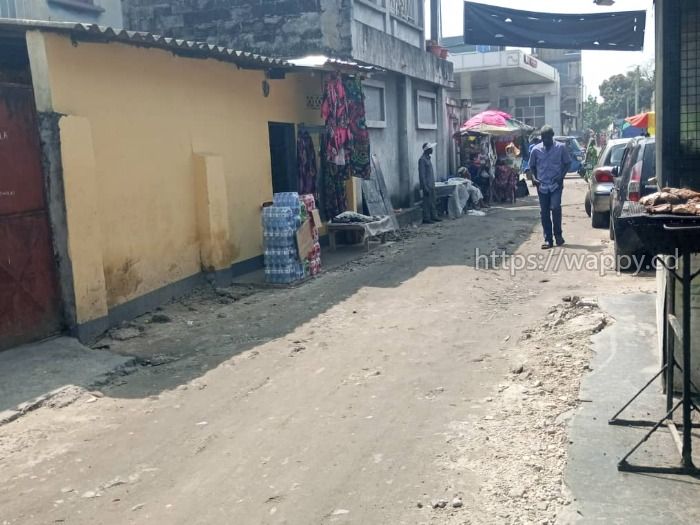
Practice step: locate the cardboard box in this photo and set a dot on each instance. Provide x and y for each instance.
(316, 217)
(305, 240)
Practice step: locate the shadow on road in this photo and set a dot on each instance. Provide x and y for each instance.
(204, 333)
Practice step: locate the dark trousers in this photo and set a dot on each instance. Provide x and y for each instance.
(429, 204)
(550, 213)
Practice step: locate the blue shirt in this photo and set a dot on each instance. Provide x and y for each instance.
(551, 164)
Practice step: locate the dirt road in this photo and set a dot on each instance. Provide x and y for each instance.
(366, 396)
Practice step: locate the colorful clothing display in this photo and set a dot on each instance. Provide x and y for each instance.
(345, 142)
(357, 150)
(306, 156)
(334, 111)
(334, 194)
(343, 110)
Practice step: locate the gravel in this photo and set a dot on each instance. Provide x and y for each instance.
(522, 442)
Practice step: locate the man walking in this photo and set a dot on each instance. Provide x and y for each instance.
(549, 163)
(427, 184)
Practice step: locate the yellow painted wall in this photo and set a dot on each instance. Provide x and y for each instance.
(83, 218)
(151, 114)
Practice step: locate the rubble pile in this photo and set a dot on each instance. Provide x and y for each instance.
(522, 441)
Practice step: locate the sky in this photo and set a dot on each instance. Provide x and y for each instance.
(597, 65)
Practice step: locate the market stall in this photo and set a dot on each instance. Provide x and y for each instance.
(644, 122)
(493, 141)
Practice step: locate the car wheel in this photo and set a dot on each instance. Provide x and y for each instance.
(587, 205)
(626, 262)
(599, 220)
(619, 258)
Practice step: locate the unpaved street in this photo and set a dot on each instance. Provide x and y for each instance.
(365, 396)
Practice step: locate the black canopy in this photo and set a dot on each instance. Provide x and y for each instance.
(485, 24)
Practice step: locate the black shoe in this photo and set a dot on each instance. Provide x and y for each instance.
(427, 221)
(547, 245)
(437, 220)
(561, 241)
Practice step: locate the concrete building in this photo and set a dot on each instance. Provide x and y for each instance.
(568, 63)
(133, 166)
(102, 12)
(405, 103)
(509, 80)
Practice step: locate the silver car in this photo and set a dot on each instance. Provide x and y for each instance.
(601, 182)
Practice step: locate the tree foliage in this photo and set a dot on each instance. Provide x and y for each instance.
(592, 117)
(618, 94)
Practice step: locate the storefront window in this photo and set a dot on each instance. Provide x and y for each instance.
(530, 110)
(375, 103)
(427, 110)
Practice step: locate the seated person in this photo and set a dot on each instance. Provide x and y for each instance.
(473, 167)
(476, 198)
(505, 182)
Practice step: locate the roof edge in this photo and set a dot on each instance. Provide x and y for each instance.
(186, 48)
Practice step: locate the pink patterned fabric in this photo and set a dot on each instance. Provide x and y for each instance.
(489, 118)
(334, 111)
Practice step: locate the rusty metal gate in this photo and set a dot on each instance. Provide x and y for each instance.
(29, 296)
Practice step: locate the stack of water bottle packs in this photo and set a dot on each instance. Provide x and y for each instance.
(280, 224)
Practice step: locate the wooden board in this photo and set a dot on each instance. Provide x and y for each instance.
(376, 196)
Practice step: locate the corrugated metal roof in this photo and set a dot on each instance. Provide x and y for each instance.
(188, 48)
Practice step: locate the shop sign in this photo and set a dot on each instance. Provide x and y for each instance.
(530, 61)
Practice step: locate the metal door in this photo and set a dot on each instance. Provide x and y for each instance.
(29, 297)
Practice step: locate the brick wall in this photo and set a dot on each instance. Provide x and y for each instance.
(286, 28)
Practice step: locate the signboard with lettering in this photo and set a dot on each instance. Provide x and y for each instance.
(530, 61)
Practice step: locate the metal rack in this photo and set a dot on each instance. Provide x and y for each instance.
(674, 330)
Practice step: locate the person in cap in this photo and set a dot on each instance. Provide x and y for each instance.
(426, 175)
(550, 162)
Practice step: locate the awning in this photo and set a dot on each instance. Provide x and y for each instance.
(493, 122)
(621, 31)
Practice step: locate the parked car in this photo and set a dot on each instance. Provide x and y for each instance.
(601, 181)
(635, 178)
(577, 154)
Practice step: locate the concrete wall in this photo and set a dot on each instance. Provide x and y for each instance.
(513, 59)
(377, 48)
(154, 196)
(296, 28)
(663, 279)
(107, 12)
(384, 141)
(375, 14)
(550, 91)
(286, 28)
(421, 136)
(399, 144)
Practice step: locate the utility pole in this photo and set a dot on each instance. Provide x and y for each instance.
(636, 92)
(435, 14)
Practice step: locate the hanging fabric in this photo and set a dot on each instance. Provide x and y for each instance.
(331, 185)
(335, 196)
(334, 111)
(306, 156)
(358, 150)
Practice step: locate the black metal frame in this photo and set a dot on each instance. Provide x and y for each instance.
(673, 329)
